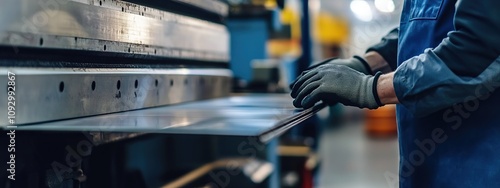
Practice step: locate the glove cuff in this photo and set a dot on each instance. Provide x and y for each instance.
(374, 88)
(365, 64)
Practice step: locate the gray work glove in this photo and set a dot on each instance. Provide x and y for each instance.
(332, 83)
(356, 63)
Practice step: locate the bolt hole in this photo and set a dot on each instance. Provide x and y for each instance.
(136, 84)
(186, 82)
(93, 85)
(41, 41)
(155, 51)
(123, 9)
(100, 3)
(128, 49)
(156, 82)
(118, 84)
(76, 39)
(171, 82)
(61, 87)
(104, 47)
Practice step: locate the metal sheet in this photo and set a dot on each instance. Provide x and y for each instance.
(285, 124)
(110, 26)
(46, 94)
(249, 115)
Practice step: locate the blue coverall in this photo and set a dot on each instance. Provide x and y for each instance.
(448, 70)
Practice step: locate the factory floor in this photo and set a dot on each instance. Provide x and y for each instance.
(350, 159)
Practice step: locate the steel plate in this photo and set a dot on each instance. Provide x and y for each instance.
(262, 115)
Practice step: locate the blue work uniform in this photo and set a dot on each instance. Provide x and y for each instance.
(448, 119)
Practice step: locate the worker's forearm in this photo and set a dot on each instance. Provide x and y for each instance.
(376, 62)
(387, 49)
(385, 89)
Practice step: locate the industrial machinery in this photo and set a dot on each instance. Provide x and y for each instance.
(111, 93)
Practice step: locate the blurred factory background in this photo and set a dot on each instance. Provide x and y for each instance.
(216, 114)
(357, 148)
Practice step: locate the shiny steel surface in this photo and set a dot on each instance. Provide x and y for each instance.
(46, 94)
(248, 115)
(111, 26)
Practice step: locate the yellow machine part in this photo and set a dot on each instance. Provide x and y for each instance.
(270, 4)
(330, 29)
(291, 47)
(327, 30)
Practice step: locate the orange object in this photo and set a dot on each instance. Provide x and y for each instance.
(381, 123)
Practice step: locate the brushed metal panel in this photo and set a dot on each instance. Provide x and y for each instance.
(46, 94)
(110, 26)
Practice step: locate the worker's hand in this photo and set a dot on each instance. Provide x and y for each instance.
(333, 83)
(355, 63)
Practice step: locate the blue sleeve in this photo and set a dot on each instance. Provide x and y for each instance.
(424, 84)
(464, 66)
(475, 41)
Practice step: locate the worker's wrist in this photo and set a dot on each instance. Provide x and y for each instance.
(374, 88)
(385, 89)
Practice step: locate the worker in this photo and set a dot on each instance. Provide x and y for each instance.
(444, 85)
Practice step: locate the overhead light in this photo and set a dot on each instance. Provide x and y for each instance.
(315, 5)
(361, 10)
(384, 5)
